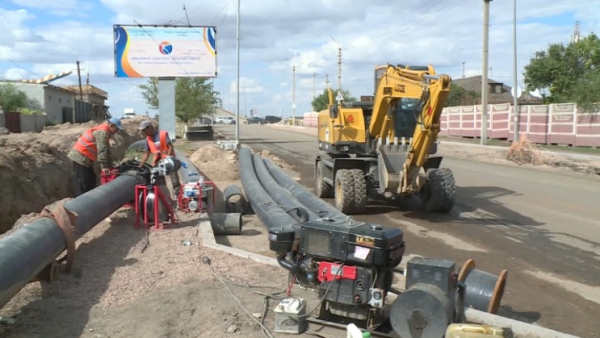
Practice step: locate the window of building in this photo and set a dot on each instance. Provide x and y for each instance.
(498, 89)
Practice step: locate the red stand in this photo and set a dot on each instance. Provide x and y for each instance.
(113, 173)
(159, 198)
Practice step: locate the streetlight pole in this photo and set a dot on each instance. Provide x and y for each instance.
(515, 83)
(293, 95)
(485, 89)
(237, 84)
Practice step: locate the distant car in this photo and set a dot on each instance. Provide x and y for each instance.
(272, 119)
(255, 120)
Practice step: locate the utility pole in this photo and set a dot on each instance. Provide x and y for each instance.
(463, 69)
(515, 85)
(339, 65)
(293, 95)
(340, 69)
(80, 87)
(314, 84)
(327, 80)
(485, 89)
(237, 92)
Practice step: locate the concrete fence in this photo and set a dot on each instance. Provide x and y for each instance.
(546, 124)
(22, 123)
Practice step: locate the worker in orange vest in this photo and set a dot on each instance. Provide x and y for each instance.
(159, 144)
(92, 146)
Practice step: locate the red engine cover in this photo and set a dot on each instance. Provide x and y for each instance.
(330, 271)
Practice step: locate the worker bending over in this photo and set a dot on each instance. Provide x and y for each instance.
(159, 144)
(93, 146)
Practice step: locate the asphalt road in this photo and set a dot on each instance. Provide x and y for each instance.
(543, 227)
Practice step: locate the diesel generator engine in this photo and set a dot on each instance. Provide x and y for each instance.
(349, 263)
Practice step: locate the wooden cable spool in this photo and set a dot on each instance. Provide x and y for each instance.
(484, 290)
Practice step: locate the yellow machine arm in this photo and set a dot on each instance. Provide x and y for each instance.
(398, 83)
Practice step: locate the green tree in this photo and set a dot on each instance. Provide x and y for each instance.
(461, 97)
(569, 73)
(194, 97)
(12, 99)
(322, 101)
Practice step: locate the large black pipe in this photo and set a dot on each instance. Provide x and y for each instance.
(270, 214)
(31, 248)
(281, 195)
(312, 202)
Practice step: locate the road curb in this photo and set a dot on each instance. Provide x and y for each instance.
(207, 236)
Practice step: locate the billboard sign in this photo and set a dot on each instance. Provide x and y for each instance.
(171, 51)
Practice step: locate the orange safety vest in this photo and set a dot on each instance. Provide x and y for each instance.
(162, 150)
(86, 144)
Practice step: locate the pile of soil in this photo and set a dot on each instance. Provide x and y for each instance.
(215, 163)
(276, 160)
(525, 152)
(35, 170)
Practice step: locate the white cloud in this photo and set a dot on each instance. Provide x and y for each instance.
(16, 74)
(445, 33)
(247, 86)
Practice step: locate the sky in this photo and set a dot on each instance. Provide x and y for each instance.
(41, 37)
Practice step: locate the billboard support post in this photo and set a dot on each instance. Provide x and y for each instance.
(166, 106)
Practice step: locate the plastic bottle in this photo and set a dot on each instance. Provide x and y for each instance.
(184, 165)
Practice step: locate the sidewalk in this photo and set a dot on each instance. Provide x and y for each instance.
(445, 140)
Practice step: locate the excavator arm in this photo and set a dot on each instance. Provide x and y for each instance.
(404, 83)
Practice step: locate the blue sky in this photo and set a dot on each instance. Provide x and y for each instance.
(45, 37)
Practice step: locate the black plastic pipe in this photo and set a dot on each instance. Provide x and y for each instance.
(187, 174)
(267, 210)
(308, 199)
(279, 194)
(240, 205)
(34, 246)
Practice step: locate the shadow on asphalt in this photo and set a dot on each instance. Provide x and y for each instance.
(523, 316)
(476, 205)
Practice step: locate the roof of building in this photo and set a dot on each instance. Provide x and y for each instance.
(474, 83)
(87, 89)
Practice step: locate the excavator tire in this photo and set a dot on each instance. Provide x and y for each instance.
(324, 190)
(360, 191)
(440, 191)
(344, 191)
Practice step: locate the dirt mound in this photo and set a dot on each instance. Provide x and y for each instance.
(276, 160)
(35, 170)
(525, 152)
(215, 163)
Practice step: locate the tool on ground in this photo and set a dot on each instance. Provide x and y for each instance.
(377, 149)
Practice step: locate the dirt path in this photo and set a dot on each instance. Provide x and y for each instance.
(35, 170)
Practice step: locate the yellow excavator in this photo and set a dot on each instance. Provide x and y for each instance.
(383, 149)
